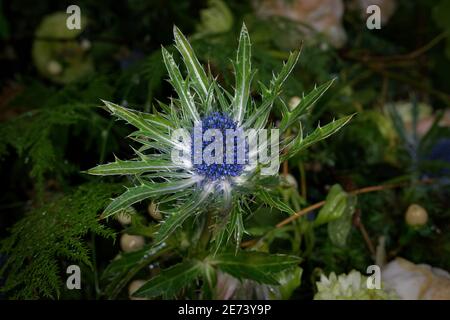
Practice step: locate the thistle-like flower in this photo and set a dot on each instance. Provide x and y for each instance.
(188, 187)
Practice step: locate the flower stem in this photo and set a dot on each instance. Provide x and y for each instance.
(206, 233)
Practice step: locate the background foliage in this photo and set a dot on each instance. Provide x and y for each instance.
(50, 132)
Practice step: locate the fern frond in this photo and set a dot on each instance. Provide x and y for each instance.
(52, 235)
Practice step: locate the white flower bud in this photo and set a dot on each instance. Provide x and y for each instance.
(130, 243)
(416, 215)
(54, 68)
(153, 211)
(133, 287)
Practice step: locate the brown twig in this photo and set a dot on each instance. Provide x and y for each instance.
(354, 192)
(360, 225)
(380, 64)
(419, 85)
(302, 180)
(285, 168)
(249, 243)
(401, 57)
(300, 213)
(317, 205)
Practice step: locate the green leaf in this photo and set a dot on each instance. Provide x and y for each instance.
(120, 271)
(261, 112)
(209, 274)
(150, 128)
(180, 86)
(278, 80)
(289, 280)
(170, 281)
(258, 266)
(177, 216)
(139, 193)
(236, 227)
(334, 207)
(339, 229)
(196, 72)
(273, 201)
(269, 95)
(229, 227)
(120, 167)
(173, 221)
(133, 117)
(300, 143)
(244, 75)
(219, 92)
(309, 100)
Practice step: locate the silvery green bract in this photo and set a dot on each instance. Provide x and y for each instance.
(181, 190)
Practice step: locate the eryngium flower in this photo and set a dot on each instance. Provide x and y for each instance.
(183, 189)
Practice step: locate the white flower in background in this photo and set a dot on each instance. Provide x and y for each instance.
(226, 286)
(323, 16)
(133, 287)
(61, 61)
(347, 287)
(229, 287)
(416, 215)
(216, 18)
(416, 281)
(294, 102)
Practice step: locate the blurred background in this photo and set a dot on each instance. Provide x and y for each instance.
(396, 78)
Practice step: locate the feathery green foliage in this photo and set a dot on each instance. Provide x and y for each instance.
(38, 136)
(51, 235)
(31, 139)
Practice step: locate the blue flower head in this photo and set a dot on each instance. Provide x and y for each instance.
(229, 167)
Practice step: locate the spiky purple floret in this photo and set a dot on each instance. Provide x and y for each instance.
(222, 122)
